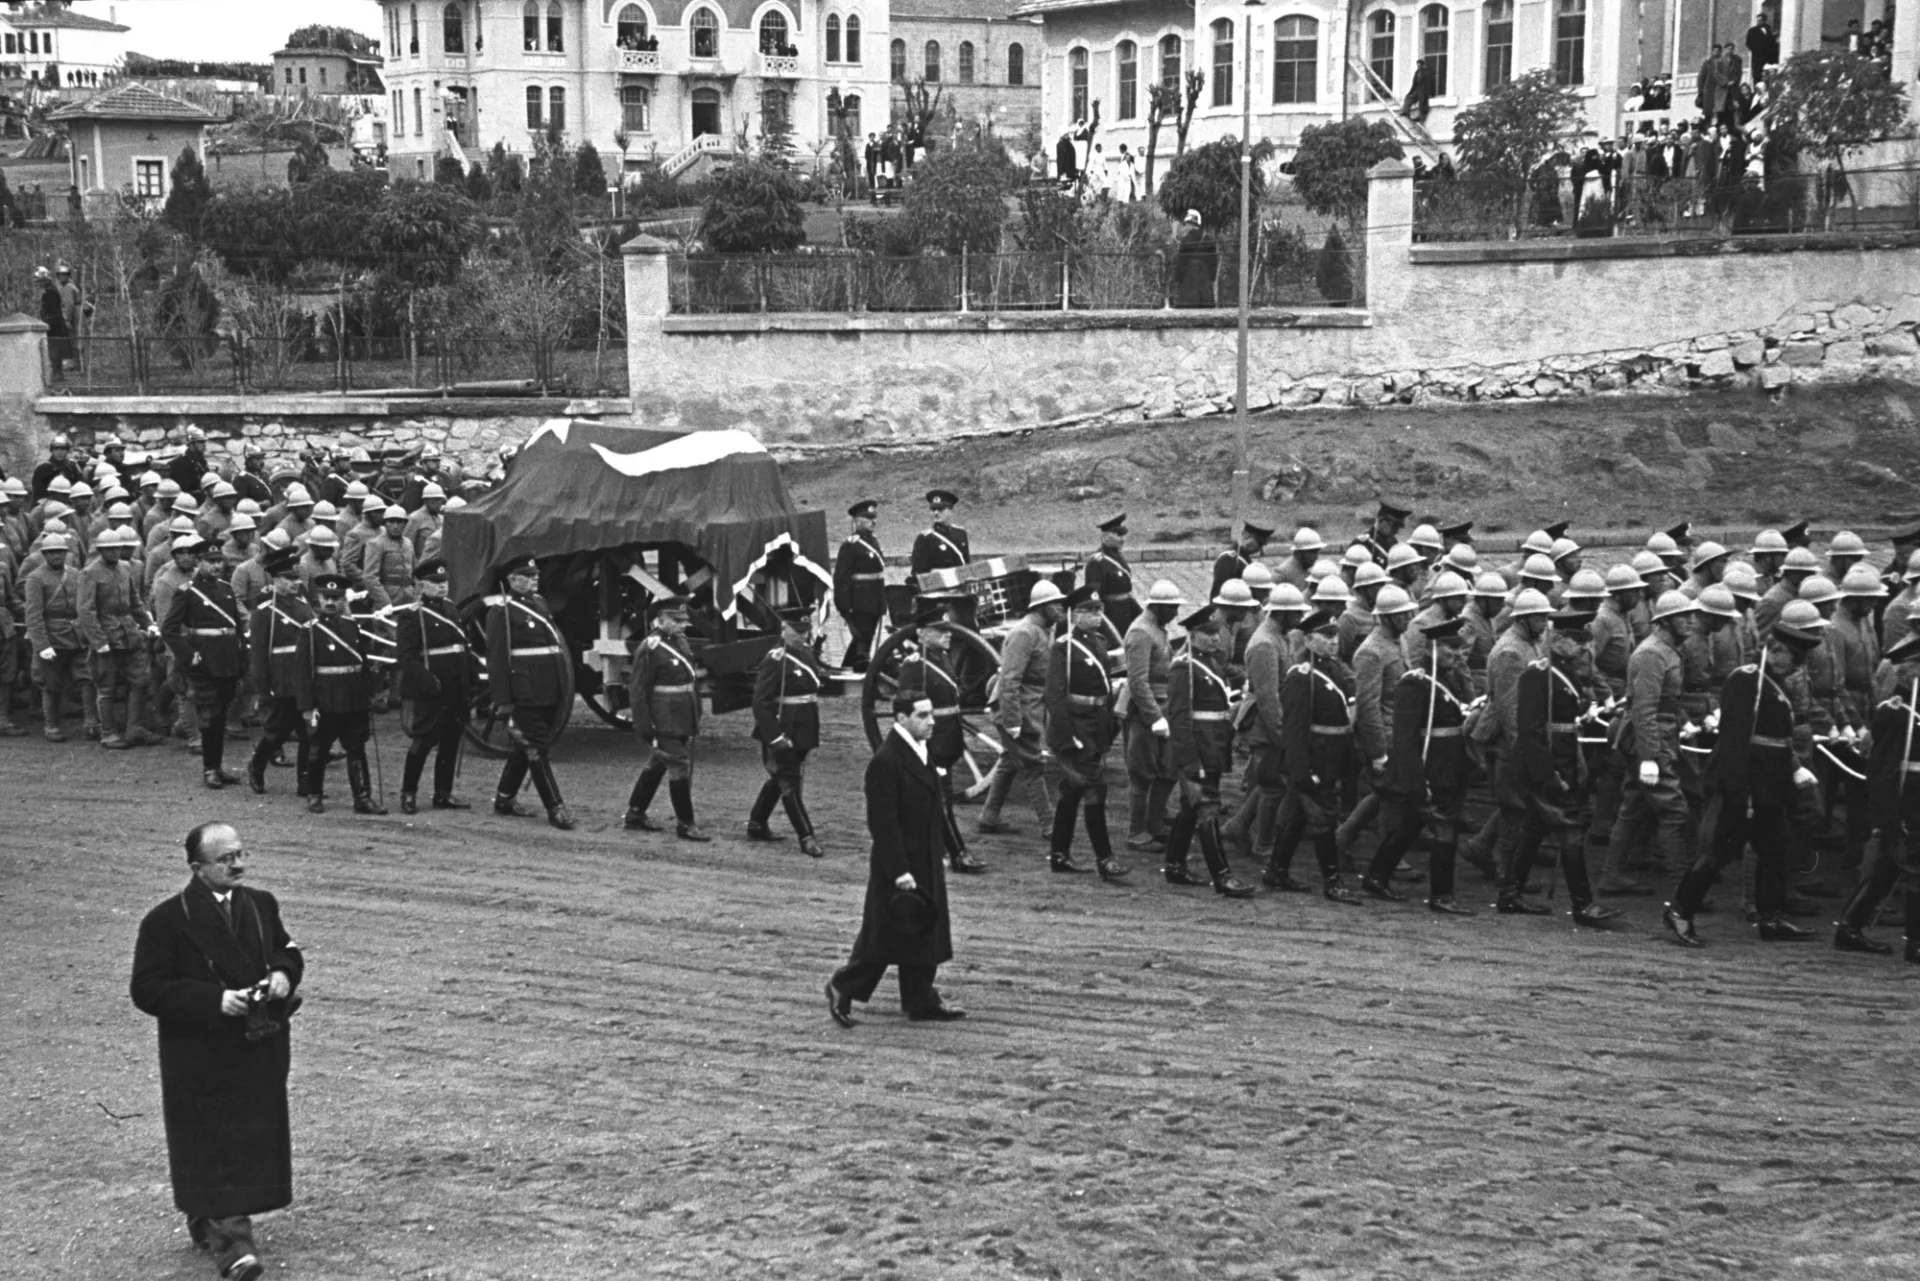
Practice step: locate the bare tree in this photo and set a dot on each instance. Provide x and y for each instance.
(1182, 121)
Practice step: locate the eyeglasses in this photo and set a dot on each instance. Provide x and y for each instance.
(228, 860)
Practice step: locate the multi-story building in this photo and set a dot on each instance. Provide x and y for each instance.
(678, 80)
(982, 59)
(60, 50)
(302, 73)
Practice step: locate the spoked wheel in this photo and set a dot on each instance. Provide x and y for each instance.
(488, 732)
(976, 664)
(610, 705)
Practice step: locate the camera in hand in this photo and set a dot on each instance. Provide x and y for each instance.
(260, 1022)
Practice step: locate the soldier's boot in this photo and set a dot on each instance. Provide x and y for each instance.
(1522, 849)
(680, 793)
(257, 767)
(1356, 823)
(1850, 933)
(50, 713)
(1158, 794)
(360, 779)
(644, 789)
(416, 764)
(1066, 813)
(1326, 852)
(303, 770)
(1224, 881)
(446, 772)
(796, 808)
(558, 815)
(110, 720)
(8, 729)
(138, 735)
(1110, 868)
(1140, 835)
(213, 745)
(90, 712)
(315, 786)
(999, 787)
(506, 794)
(762, 813)
(1179, 843)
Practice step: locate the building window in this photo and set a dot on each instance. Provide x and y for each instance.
(303, 75)
(1016, 64)
(289, 69)
(1433, 45)
(633, 109)
(1223, 63)
(323, 77)
(1499, 68)
(1570, 42)
(1170, 63)
(632, 30)
(833, 37)
(1380, 52)
(413, 21)
(150, 178)
(966, 62)
(1296, 52)
(851, 106)
(557, 109)
(530, 26)
(706, 34)
(1127, 58)
(556, 29)
(419, 116)
(536, 100)
(453, 30)
(773, 33)
(933, 62)
(1077, 84)
(13, 46)
(897, 61)
(853, 37)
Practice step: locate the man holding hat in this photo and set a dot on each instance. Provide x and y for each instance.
(114, 621)
(1651, 803)
(1199, 717)
(1111, 578)
(1150, 773)
(203, 628)
(280, 659)
(1081, 726)
(663, 692)
(1427, 766)
(1020, 716)
(1233, 562)
(904, 922)
(860, 584)
(786, 723)
(1381, 535)
(526, 679)
(52, 597)
(438, 675)
(929, 672)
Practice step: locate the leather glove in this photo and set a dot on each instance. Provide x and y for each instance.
(1649, 773)
(1804, 777)
(1161, 728)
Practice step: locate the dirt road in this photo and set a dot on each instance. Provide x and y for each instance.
(534, 1055)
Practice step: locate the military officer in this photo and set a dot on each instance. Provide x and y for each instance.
(1316, 732)
(1388, 521)
(280, 659)
(1893, 621)
(1233, 562)
(786, 722)
(1305, 550)
(52, 596)
(1020, 715)
(664, 693)
(1427, 767)
(114, 621)
(252, 481)
(1111, 578)
(342, 675)
(526, 679)
(929, 674)
(1200, 736)
(1150, 773)
(1081, 727)
(1892, 763)
(943, 544)
(205, 630)
(860, 584)
(438, 678)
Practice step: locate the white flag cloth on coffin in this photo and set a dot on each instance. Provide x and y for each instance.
(696, 449)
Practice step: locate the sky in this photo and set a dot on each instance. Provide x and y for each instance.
(228, 30)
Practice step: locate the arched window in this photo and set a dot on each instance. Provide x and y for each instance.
(1077, 84)
(833, 37)
(773, 32)
(897, 61)
(1296, 52)
(1016, 64)
(453, 30)
(1433, 45)
(1499, 42)
(1570, 42)
(556, 28)
(1222, 62)
(635, 109)
(557, 109)
(1170, 63)
(933, 62)
(966, 62)
(413, 15)
(706, 33)
(851, 105)
(530, 25)
(1126, 57)
(853, 37)
(1380, 50)
(632, 30)
(536, 106)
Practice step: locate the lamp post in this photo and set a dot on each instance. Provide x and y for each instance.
(1242, 472)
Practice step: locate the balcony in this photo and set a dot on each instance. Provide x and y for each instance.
(779, 66)
(637, 61)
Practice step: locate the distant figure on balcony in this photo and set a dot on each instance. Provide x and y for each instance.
(1066, 162)
(1704, 95)
(1195, 265)
(1420, 94)
(1763, 47)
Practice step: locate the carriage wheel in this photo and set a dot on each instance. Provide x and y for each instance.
(487, 732)
(611, 707)
(977, 664)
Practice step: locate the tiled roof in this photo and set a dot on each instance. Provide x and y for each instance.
(133, 102)
(959, 10)
(57, 17)
(1034, 8)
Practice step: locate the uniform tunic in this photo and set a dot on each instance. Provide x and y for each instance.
(1316, 741)
(1378, 664)
(663, 692)
(526, 666)
(940, 548)
(203, 631)
(1111, 578)
(438, 670)
(931, 676)
(1081, 724)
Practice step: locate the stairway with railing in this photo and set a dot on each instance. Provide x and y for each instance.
(682, 160)
(1374, 89)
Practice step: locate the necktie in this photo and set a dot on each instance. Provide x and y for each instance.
(226, 910)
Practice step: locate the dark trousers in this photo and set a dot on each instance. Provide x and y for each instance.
(534, 726)
(284, 721)
(349, 729)
(1083, 785)
(862, 628)
(1306, 813)
(1892, 858)
(1020, 761)
(1737, 821)
(212, 696)
(438, 726)
(1252, 825)
(857, 979)
(1402, 820)
(1199, 816)
(786, 775)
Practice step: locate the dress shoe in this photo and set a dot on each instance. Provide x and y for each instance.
(1515, 905)
(690, 832)
(966, 864)
(244, 1268)
(1146, 843)
(55, 734)
(1595, 916)
(995, 827)
(114, 742)
(637, 821)
(1336, 892)
(1231, 886)
(939, 1012)
(409, 803)
(316, 803)
(839, 1006)
(213, 779)
(1283, 880)
(510, 807)
(1681, 927)
(367, 805)
(1181, 874)
(1778, 929)
(1446, 906)
(227, 775)
(1112, 869)
(197, 1232)
(1618, 886)
(560, 817)
(1847, 938)
(1375, 889)
(811, 847)
(764, 834)
(450, 803)
(1063, 863)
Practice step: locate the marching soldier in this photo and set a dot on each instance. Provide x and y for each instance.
(943, 544)
(929, 675)
(1200, 723)
(1378, 663)
(426, 519)
(1233, 562)
(1020, 717)
(1150, 775)
(1757, 767)
(203, 629)
(10, 645)
(279, 653)
(786, 721)
(1305, 551)
(52, 595)
(1081, 726)
(298, 522)
(1316, 732)
(1855, 647)
(1111, 578)
(1383, 532)
(1407, 569)
(1891, 765)
(386, 560)
(1356, 622)
(1427, 767)
(526, 678)
(252, 481)
(342, 675)
(1446, 598)
(860, 585)
(1269, 655)
(1488, 600)
(114, 620)
(1796, 567)
(1648, 733)
(663, 691)
(438, 677)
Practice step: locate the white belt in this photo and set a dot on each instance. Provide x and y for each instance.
(335, 671)
(800, 700)
(1445, 731)
(1333, 729)
(945, 711)
(1762, 740)
(1212, 716)
(450, 649)
(673, 689)
(210, 631)
(537, 651)
(1087, 700)
(867, 578)
(286, 649)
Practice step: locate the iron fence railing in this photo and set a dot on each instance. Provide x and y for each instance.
(1286, 275)
(229, 364)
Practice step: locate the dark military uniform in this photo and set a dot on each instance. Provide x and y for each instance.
(204, 633)
(281, 669)
(1427, 768)
(1227, 566)
(1545, 770)
(1200, 718)
(1081, 727)
(438, 677)
(342, 675)
(786, 722)
(1112, 581)
(1316, 742)
(663, 692)
(1893, 782)
(526, 679)
(860, 595)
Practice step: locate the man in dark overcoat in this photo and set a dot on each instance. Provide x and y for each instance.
(904, 923)
(215, 966)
